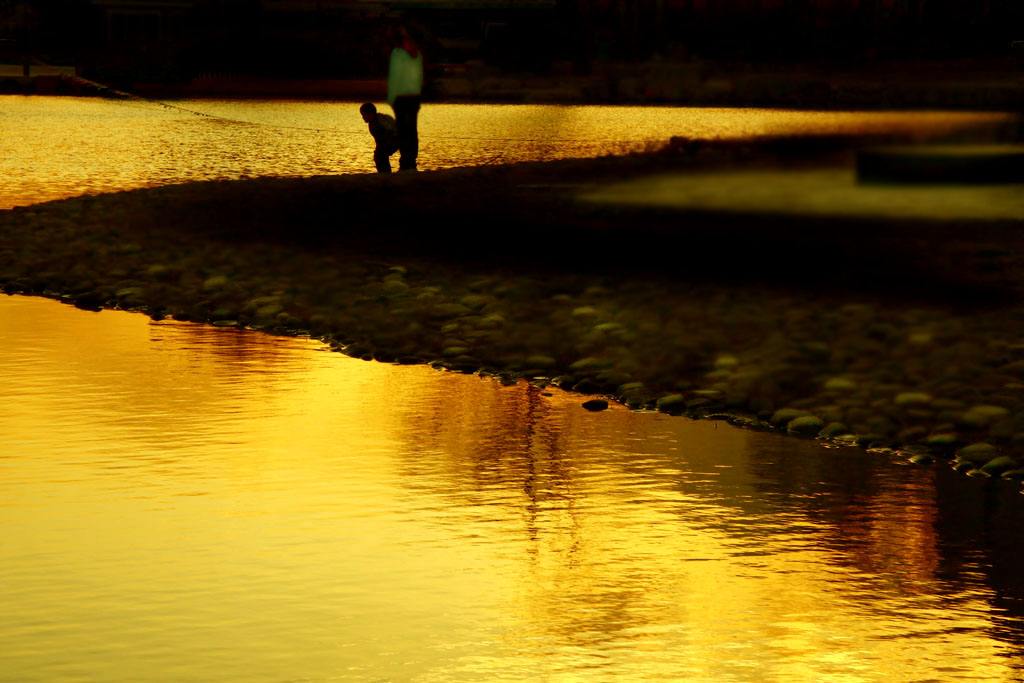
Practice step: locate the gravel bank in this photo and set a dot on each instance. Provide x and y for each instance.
(878, 335)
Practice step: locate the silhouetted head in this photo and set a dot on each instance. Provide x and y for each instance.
(368, 110)
(398, 36)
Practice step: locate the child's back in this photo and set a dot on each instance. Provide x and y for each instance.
(385, 131)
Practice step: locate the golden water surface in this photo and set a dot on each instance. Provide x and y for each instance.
(55, 147)
(186, 503)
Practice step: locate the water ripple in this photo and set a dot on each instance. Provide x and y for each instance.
(173, 502)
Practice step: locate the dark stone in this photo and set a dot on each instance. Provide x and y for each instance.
(596, 404)
(997, 466)
(587, 386)
(564, 382)
(699, 403)
(805, 425)
(635, 402)
(673, 404)
(89, 301)
(356, 350)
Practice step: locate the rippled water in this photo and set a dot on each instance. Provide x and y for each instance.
(182, 502)
(54, 147)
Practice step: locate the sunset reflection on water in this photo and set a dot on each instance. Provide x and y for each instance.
(57, 147)
(185, 502)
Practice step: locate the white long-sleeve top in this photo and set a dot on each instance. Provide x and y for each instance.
(405, 74)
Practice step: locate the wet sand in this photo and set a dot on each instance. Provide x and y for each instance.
(899, 332)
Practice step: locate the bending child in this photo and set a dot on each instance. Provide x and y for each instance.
(385, 133)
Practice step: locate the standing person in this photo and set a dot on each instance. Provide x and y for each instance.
(385, 134)
(405, 86)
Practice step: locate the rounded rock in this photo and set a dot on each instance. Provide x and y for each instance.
(784, 416)
(586, 386)
(671, 403)
(983, 415)
(945, 439)
(590, 364)
(911, 434)
(912, 399)
(585, 312)
(474, 301)
(215, 282)
(1014, 368)
(805, 425)
(356, 350)
(157, 270)
(630, 387)
(268, 310)
(395, 287)
(447, 310)
(996, 466)
(832, 430)
(540, 361)
(89, 301)
(840, 384)
(977, 453)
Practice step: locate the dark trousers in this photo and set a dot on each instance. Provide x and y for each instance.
(382, 159)
(406, 108)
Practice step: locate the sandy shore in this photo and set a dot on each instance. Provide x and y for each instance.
(902, 333)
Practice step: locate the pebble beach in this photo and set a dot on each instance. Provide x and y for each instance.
(903, 334)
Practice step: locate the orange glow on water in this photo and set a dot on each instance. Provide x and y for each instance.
(56, 147)
(211, 503)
